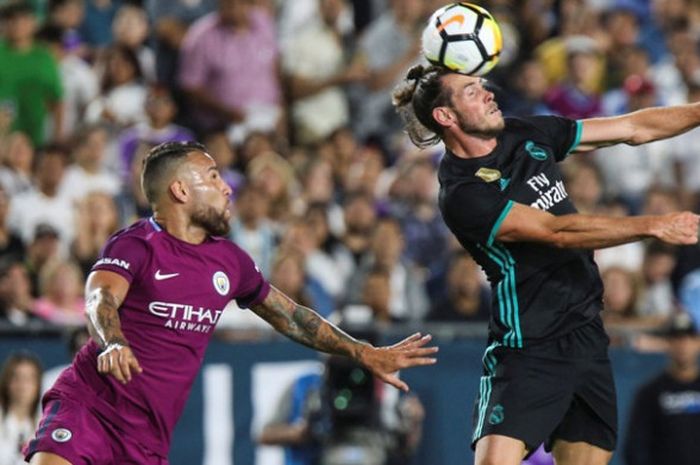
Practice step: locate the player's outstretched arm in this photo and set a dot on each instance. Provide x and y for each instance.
(639, 127)
(105, 292)
(527, 224)
(307, 327)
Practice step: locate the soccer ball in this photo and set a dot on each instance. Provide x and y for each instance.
(464, 38)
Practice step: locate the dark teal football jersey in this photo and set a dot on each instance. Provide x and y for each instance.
(539, 291)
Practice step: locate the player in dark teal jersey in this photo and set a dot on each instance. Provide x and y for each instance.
(547, 375)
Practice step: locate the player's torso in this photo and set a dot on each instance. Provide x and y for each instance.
(180, 292)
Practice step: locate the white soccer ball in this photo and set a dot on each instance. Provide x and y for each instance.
(464, 38)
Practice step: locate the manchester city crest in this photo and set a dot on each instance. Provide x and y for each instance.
(221, 282)
(61, 435)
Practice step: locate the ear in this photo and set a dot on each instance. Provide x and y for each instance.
(179, 191)
(444, 116)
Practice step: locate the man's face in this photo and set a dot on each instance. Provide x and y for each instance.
(684, 350)
(19, 27)
(210, 195)
(234, 12)
(473, 105)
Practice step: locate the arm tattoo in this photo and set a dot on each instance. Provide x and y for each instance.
(305, 326)
(103, 318)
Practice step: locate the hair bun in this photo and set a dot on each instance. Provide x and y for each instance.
(415, 73)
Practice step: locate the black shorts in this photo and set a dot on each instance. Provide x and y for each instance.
(559, 389)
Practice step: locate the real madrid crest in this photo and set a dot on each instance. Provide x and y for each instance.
(61, 435)
(221, 283)
(488, 174)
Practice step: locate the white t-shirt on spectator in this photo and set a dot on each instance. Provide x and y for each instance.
(77, 183)
(32, 208)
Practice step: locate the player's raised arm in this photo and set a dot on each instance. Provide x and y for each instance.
(307, 327)
(639, 127)
(527, 224)
(105, 292)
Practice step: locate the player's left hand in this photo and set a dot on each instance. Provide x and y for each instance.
(385, 362)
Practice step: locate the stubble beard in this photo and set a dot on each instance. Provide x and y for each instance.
(212, 221)
(485, 132)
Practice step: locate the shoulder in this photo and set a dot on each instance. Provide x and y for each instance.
(141, 232)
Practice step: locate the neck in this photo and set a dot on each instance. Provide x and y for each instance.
(466, 145)
(22, 44)
(684, 373)
(20, 412)
(180, 226)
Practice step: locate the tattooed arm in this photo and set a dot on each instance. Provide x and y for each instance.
(307, 327)
(105, 293)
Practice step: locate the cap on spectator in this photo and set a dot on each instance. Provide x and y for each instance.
(43, 230)
(636, 84)
(681, 324)
(14, 8)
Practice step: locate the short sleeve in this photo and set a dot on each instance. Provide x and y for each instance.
(253, 287)
(475, 212)
(564, 134)
(124, 255)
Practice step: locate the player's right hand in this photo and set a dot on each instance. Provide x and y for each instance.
(680, 228)
(119, 361)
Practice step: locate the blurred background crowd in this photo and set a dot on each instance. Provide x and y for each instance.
(292, 99)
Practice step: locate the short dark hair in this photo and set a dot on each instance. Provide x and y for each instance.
(415, 99)
(159, 163)
(15, 8)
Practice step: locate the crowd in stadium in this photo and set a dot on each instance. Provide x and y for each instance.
(292, 99)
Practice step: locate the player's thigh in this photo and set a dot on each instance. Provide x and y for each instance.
(579, 453)
(68, 429)
(47, 458)
(495, 449)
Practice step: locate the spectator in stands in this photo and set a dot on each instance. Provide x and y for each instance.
(251, 228)
(658, 300)
(79, 80)
(16, 155)
(623, 289)
(89, 172)
(665, 416)
(316, 65)
(171, 19)
(11, 246)
(67, 16)
(465, 297)
(96, 28)
(409, 301)
(584, 183)
(160, 110)
(131, 201)
(576, 96)
(97, 219)
(226, 157)
(388, 47)
(43, 250)
(20, 392)
(288, 276)
(131, 29)
(32, 85)
(528, 91)
(61, 301)
(45, 204)
(16, 301)
(122, 91)
(229, 69)
(360, 218)
(275, 176)
(422, 225)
